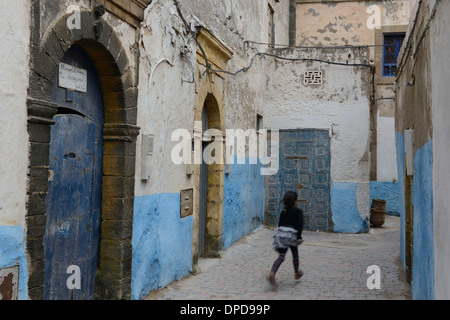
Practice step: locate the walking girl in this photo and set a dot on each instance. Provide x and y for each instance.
(288, 235)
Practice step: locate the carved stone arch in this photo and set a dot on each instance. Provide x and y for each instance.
(210, 95)
(213, 243)
(119, 84)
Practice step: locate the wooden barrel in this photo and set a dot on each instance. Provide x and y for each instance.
(379, 204)
(377, 217)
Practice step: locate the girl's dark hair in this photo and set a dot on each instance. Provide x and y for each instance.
(289, 198)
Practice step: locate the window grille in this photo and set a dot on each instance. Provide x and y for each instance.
(392, 44)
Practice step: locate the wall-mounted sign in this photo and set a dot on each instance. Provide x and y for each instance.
(72, 78)
(186, 203)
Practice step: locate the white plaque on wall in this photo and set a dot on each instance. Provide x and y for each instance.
(72, 78)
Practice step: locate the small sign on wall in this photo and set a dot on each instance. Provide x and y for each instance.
(186, 203)
(72, 78)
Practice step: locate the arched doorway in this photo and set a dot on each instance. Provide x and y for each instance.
(75, 188)
(210, 217)
(210, 93)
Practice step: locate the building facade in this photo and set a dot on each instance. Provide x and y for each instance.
(422, 149)
(228, 198)
(14, 150)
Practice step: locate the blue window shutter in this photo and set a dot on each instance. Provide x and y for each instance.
(391, 49)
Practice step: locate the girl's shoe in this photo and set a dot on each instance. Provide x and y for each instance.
(298, 274)
(271, 278)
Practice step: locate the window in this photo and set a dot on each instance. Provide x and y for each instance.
(259, 122)
(271, 27)
(392, 44)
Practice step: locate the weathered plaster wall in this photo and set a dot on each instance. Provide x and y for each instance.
(341, 104)
(243, 203)
(415, 110)
(423, 277)
(439, 67)
(167, 99)
(162, 243)
(345, 23)
(166, 103)
(168, 53)
(236, 21)
(15, 26)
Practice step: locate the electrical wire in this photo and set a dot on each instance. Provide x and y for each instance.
(317, 47)
(258, 54)
(408, 44)
(194, 35)
(428, 25)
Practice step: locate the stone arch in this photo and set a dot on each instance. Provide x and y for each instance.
(119, 84)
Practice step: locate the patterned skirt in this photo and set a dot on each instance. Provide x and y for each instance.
(284, 237)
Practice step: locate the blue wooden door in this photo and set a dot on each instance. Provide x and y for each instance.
(304, 168)
(74, 195)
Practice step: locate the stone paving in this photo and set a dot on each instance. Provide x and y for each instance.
(335, 267)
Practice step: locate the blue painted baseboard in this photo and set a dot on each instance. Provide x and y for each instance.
(388, 191)
(162, 243)
(422, 286)
(344, 209)
(12, 253)
(243, 204)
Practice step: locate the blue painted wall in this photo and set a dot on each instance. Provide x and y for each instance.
(12, 253)
(422, 285)
(162, 243)
(243, 205)
(389, 191)
(400, 147)
(344, 208)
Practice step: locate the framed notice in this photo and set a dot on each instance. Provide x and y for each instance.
(72, 78)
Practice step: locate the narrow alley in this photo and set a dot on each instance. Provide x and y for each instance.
(149, 148)
(335, 267)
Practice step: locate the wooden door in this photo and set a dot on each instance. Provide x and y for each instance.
(75, 184)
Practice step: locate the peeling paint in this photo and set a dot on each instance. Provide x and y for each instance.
(328, 28)
(312, 12)
(162, 243)
(345, 23)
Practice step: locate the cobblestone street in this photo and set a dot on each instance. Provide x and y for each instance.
(335, 267)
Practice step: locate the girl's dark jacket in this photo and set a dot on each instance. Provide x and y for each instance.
(292, 217)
